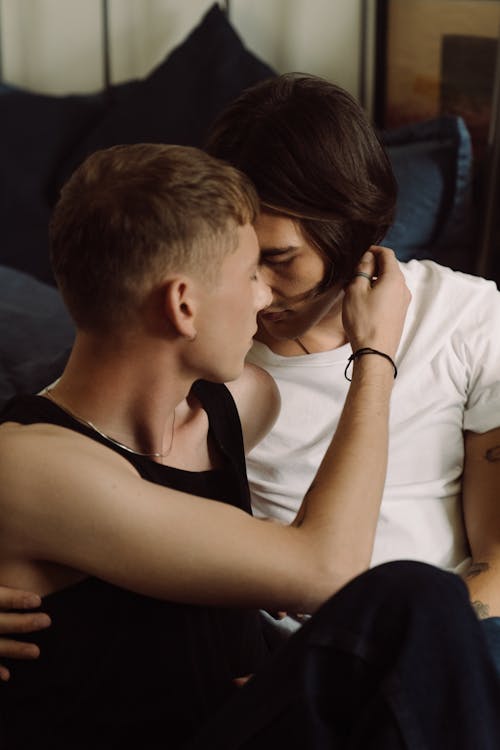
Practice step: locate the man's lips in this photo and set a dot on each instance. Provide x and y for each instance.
(273, 315)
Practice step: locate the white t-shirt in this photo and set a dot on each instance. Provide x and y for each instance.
(448, 381)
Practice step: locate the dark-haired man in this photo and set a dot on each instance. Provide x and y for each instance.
(327, 192)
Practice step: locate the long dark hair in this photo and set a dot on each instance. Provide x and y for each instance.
(313, 155)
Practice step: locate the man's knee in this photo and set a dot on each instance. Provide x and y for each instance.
(395, 591)
(414, 579)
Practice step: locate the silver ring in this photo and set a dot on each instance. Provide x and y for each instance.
(365, 275)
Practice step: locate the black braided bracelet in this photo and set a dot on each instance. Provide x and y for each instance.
(368, 350)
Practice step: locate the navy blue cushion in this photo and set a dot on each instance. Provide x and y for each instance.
(36, 333)
(37, 132)
(433, 165)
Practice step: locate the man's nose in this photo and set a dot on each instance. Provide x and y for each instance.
(266, 274)
(265, 296)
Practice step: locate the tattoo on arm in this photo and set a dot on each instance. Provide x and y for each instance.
(481, 609)
(492, 455)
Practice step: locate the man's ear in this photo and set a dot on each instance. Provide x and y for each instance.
(180, 305)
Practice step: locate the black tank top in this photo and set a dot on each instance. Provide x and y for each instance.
(118, 669)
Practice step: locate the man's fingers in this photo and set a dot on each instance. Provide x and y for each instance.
(15, 622)
(366, 268)
(376, 302)
(385, 260)
(18, 650)
(17, 599)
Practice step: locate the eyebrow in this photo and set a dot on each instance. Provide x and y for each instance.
(278, 250)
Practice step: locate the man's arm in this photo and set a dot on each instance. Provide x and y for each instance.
(481, 502)
(258, 402)
(16, 621)
(96, 515)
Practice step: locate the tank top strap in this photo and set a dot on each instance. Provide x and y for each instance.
(225, 426)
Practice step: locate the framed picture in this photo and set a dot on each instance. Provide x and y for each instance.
(437, 57)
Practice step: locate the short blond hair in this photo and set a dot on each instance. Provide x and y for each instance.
(129, 215)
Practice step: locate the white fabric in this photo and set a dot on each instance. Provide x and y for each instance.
(448, 381)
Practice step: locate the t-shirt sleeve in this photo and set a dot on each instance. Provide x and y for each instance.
(482, 350)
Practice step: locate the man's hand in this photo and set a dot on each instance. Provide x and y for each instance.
(12, 622)
(376, 302)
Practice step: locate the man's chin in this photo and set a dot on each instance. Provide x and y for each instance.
(279, 331)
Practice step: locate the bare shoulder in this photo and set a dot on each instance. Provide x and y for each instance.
(258, 401)
(35, 458)
(58, 487)
(37, 442)
(22, 445)
(28, 456)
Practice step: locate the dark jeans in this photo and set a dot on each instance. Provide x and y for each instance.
(396, 659)
(491, 629)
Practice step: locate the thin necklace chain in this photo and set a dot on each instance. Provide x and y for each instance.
(47, 392)
(304, 348)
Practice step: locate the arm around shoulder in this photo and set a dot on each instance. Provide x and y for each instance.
(82, 506)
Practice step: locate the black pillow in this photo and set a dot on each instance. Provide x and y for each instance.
(179, 100)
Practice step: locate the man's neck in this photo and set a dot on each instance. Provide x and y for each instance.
(111, 387)
(325, 335)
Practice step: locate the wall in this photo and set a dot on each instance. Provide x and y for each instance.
(55, 46)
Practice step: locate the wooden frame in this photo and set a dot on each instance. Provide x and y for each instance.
(488, 264)
(437, 57)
